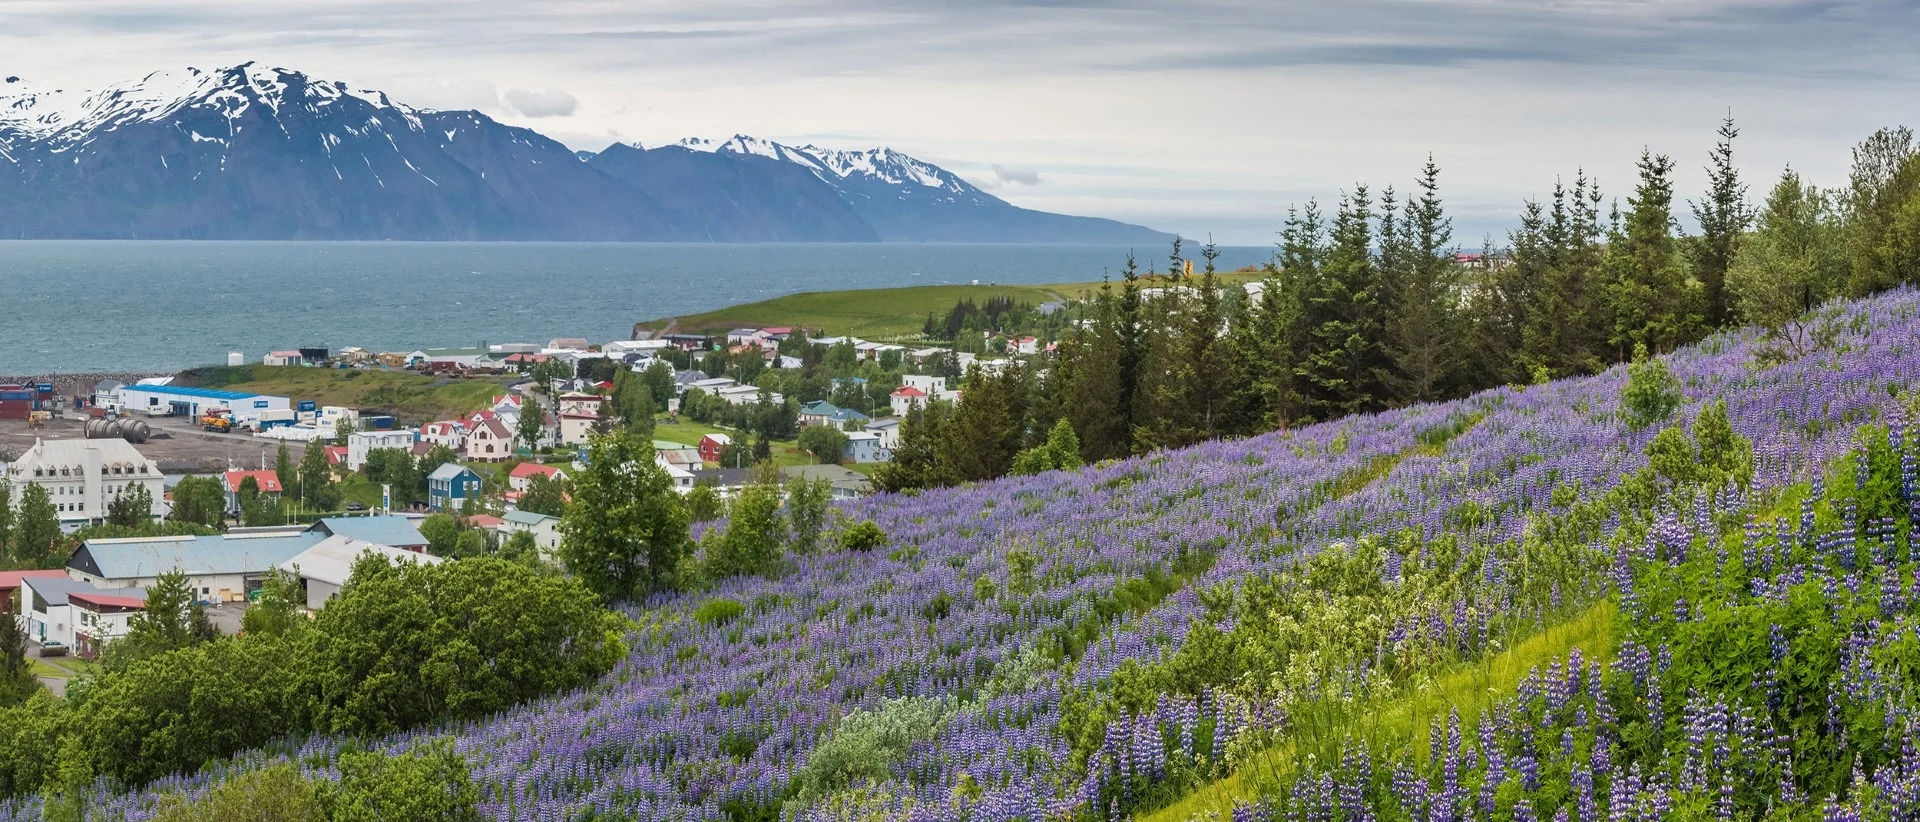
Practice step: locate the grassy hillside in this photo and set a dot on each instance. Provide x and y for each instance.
(412, 397)
(880, 312)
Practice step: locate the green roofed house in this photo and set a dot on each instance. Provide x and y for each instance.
(822, 412)
(677, 455)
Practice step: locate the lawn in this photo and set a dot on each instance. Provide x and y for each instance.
(688, 432)
(877, 313)
(412, 397)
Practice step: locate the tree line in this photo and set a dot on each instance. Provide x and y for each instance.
(1371, 307)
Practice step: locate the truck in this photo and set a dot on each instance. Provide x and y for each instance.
(218, 421)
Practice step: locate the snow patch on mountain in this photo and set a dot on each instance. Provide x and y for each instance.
(882, 165)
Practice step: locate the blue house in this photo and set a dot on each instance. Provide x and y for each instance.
(450, 486)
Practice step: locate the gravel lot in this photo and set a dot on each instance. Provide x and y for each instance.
(178, 446)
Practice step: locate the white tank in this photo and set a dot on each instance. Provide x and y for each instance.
(236, 358)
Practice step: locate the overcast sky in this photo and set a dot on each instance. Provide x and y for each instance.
(1195, 117)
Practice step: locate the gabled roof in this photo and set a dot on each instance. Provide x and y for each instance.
(529, 470)
(56, 590)
(331, 560)
(909, 391)
(528, 518)
(494, 426)
(449, 471)
(139, 558)
(336, 454)
(268, 481)
(115, 598)
(11, 579)
(719, 438)
(385, 530)
(484, 521)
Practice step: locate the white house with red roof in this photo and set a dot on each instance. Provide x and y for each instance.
(489, 440)
(268, 481)
(100, 617)
(578, 413)
(520, 479)
(450, 433)
(906, 398)
(1025, 345)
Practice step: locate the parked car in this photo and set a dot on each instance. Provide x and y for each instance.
(356, 506)
(53, 649)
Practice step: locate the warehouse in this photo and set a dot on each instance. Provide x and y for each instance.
(176, 401)
(326, 567)
(225, 568)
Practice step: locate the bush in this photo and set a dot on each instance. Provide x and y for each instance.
(866, 744)
(276, 794)
(719, 611)
(863, 536)
(1652, 393)
(429, 783)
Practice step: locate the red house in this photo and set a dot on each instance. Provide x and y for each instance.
(712, 445)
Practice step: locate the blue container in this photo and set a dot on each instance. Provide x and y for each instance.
(307, 405)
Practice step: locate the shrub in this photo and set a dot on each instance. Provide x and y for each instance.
(719, 611)
(866, 744)
(1652, 393)
(863, 536)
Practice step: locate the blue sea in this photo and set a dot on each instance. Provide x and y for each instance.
(78, 306)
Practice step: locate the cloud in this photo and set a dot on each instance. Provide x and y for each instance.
(450, 95)
(550, 103)
(1022, 176)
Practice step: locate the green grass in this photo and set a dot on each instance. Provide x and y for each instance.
(878, 312)
(62, 667)
(688, 432)
(1403, 721)
(412, 397)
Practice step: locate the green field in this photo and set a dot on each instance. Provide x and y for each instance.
(688, 432)
(412, 397)
(878, 312)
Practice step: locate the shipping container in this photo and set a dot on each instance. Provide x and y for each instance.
(381, 423)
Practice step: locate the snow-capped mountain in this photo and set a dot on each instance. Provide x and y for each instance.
(254, 152)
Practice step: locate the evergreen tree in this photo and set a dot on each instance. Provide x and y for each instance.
(1723, 219)
(315, 481)
(1206, 375)
(133, 506)
(1132, 348)
(6, 520)
(1792, 262)
(16, 676)
(1884, 198)
(283, 469)
(1089, 375)
(1647, 292)
(916, 462)
(1340, 361)
(1421, 340)
(164, 624)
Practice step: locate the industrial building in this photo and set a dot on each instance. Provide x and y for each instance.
(325, 568)
(177, 401)
(82, 476)
(231, 566)
(47, 610)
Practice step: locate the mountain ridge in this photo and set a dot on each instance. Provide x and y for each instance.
(258, 152)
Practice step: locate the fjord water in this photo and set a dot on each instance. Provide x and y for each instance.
(69, 306)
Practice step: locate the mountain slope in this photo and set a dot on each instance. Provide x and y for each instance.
(909, 200)
(252, 152)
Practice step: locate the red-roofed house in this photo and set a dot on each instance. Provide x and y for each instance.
(450, 433)
(336, 455)
(906, 398)
(100, 617)
(578, 413)
(1026, 345)
(487, 521)
(520, 479)
(268, 481)
(489, 441)
(10, 582)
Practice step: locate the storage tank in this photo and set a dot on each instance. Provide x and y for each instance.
(131, 430)
(236, 358)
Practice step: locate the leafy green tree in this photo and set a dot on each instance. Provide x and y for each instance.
(658, 377)
(276, 612)
(1651, 394)
(1060, 451)
(544, 495)
(1723, 219)
(1884, 196)
(1648, 294)
(6, 521)
(200, 501)
(808, 505)
(864, 535)
(315, 480)
(429, 783)
(343, 429)
(441, 531)
(36, 530)
(626, 531)
(16, 676)
(133, 506)
(470, 543)
(283, 468)
(276, 793)
(703, 502)
(531, 427)
(1791, 263)
(70, 786)
(165, 624)
(754, 536)
(521, 547)
(826, 443)
(1724, 455)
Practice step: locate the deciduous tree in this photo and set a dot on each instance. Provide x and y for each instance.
(626, 531)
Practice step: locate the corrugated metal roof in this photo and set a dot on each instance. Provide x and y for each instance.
(196, 556)
(386, 530)
(528, 518)
(331, 560)
(206, 393)
(55, 590)
(450, 470)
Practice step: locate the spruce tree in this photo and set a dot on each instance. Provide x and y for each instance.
(1723, 219)
(1647, 292)
(1206, 374)
(1339, 366)
(16, 676)
(1090, 375)
(1421, 339)
(283, 469)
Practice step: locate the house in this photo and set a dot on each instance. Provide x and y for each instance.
(921, 355)
(223, 568)
(267, 481)
(81, 476)
(484, 521)
(450, 486)
(100, 617)
(889, 431)
(713, 445)
(711, 385)
(931, 386)
(724, 481)
(579, 413)
(545, 529)
(681, 478)
(281, 358)
(864, 447)
(520, 480)
(747, 395)
(1025, 345)
(826, 413)
(677, 454)
(45, 606)
(748, 336)
(450, 433)
(489, 441)
(846, 482)
(689, 342)
(392, 531)
(362, 443)
(906, 398)
(10, 585)
(568, 344)
(106, 394)
(621, 348)
(336, 455)
(327, 566)
(683, 379)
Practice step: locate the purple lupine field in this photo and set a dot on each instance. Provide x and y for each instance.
(953, 631)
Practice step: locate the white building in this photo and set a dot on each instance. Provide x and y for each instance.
(327, 567)
(906, 398)
(329, 418)
(545, 529)
(864, 447)
(450, 433)
(47, 611)
(224, 568)
(82, 476)
(100, 617)
(931, 386)
(888, 430)
(747, 395)
(360, 443)
(176, 401)
(621, 348)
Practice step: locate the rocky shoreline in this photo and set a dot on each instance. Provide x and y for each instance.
(82, 383)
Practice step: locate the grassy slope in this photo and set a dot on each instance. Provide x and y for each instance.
(1404, 721)
(880, 312)
(413, 397)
